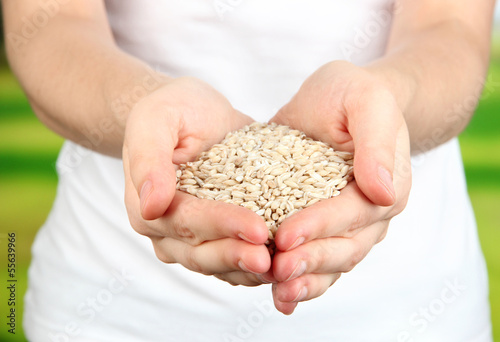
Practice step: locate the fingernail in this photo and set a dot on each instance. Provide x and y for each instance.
(302, 295)
(244, 267)
(386, 179)
(146, 190)
(298, 242)
(243, 237)
(298, 271)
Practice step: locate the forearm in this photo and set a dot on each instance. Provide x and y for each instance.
(79, 83)
(437, 74)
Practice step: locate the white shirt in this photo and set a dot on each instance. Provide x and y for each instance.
(93, 278)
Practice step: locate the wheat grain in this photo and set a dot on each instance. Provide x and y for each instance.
(270, 169)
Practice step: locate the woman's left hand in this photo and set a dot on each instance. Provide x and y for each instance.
(347, 107)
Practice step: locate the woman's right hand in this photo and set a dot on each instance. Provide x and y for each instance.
(173, 125)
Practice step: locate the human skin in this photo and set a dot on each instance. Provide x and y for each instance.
(405, 92)
(372, 111)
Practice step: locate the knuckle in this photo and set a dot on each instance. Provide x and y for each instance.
(161, 254)
(356, 256)
(227, 279)
(191, 262)
(322, 255)
(134, 160)
(184, 233)
(139, 225)
(359, 221)
(180, 222)
(335, 278)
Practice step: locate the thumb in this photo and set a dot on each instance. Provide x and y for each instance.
(374, 127)
(147, 158)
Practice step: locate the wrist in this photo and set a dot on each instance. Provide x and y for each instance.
(402, 84)
(122, 102)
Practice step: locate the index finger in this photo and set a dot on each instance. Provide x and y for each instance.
(195, 221)
(340, 216)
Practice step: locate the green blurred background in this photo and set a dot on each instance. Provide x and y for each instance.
(28, 181)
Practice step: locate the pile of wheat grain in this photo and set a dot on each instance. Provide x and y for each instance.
(270, 169)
